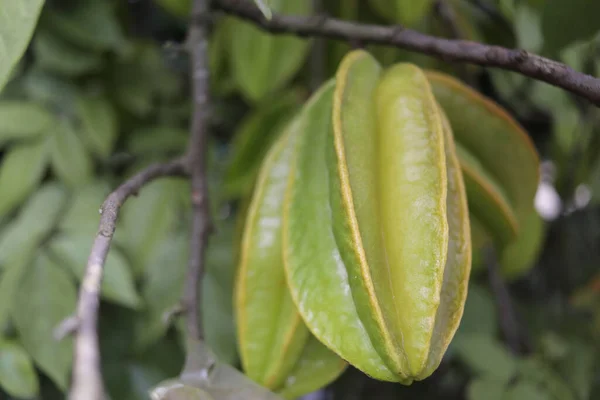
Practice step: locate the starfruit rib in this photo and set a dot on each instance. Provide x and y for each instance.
(368, 70)
(458, 263)
(273, 368)
(315, 272)
(493, 138)
(412, 198)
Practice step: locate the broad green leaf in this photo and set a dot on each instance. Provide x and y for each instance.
(117, 283)
(35, 221)
(17, 23)
(520, 256)
(18, 378)
(98, 124)
(140, 234)
(163, 289)
(486, 389)
(565, 21)
(485, 356)
(480, 315)
(87, 23)
(83, 213)
(220, 381)
(217, 293)
(263, 63)
(528, 28)
(526, 391)
(22, 120)
(22, 169)
(406, 12)
(46, 297)
(253, 138)
(70, 160)
(57, 55)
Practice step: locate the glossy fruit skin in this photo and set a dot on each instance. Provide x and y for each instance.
(373, 194)
(276, 348)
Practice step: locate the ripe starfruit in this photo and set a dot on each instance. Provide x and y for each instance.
(499, 162)
(376, 232)
(276, 348)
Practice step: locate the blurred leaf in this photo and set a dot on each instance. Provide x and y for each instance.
(180, 8)
(87, 23)
(147, 219)
(22, 120)
(163, 288)
(70, 160)
(17, 23)
(46, 87)
(35, 221)
(57, 55)
(157, 139)
(46, 297)
(486, 356)
(521, 255)
(117, 283)
(17, 375)
(525, 391)
(215, 378)
(406, 12)
(263, 63)
(252, 140)
(10, 281)
(83, 214)
(528, 28)
(480, 315)
(564, 21)
(579, 368)
(536, 372)
(567, 128)
(98, 124)
(486, 389)
(21, 171)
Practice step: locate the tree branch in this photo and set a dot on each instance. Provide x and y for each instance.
(198, 144)
(517, 60)
(87, 379)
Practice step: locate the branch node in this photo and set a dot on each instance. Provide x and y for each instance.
(66, 328)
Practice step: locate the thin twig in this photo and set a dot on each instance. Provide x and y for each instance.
(201, 224)
(509, 324)
(87, 379)
(517, 60)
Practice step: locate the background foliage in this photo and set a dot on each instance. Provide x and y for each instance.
(103, 91)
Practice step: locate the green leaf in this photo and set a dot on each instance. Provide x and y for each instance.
(22, 120)
(486, 389)
(70, 160)
(46, 297)
(83, 214)
(35, 221)
(87, 23)
(263, 63)
(157, 139)
(526, 391)
(528, 28)
(99, 124)
(10, 281)
(406, 12)
(17, 375)
(480, 315)
(565, 21)
(17, 23)
(163, 288)
(520, 256)
(579, 368)
(253, 138)
(57, 55)
(117, 283)
(146, 220)
(21, 171)
(486, 356)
